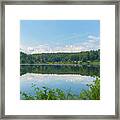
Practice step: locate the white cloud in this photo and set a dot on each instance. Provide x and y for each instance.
(72, 36)
(92, 43)
(93, 37)
(67, 48)
(37, 49)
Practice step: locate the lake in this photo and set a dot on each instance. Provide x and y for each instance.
(69, 78)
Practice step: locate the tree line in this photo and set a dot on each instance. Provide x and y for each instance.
(92, 56)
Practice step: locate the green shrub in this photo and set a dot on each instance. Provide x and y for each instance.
(93, 93)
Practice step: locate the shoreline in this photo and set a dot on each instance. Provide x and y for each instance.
(60, 64)
(51, 64)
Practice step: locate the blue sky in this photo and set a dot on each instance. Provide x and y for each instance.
(59, 35)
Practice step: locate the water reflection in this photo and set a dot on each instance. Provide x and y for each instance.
(73, 83)
(61, 69)
(64, 77)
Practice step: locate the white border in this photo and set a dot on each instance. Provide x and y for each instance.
(13, 15)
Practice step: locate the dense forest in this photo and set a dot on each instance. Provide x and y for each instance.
(89, 57)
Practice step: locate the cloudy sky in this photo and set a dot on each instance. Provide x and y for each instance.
(43, 36)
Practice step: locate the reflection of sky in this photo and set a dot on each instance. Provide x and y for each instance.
(65, 82)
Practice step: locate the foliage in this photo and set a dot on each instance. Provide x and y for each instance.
(56, 94)
(89, 57)
(93, 93)
(47, 94)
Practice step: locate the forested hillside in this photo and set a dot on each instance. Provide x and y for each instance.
(92, 56)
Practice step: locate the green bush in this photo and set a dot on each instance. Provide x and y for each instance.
(47, 94)
(93, 93)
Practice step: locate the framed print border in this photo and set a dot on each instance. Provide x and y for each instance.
(69, 2)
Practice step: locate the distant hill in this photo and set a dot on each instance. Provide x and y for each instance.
(61, 58)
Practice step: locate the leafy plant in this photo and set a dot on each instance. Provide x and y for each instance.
(93, 93)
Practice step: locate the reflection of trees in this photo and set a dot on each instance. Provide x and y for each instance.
(61, 69)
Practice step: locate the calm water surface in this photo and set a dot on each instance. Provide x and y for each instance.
(67, 78)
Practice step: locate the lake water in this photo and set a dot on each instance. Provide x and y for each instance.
(67, 78)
